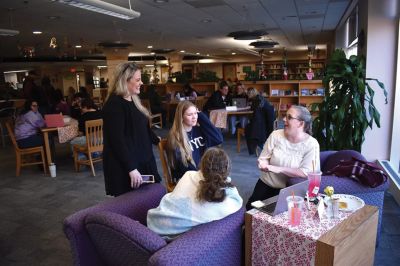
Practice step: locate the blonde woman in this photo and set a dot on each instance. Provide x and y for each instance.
(191, 134)
(128, 138)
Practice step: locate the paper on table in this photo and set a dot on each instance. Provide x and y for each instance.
(321, 209)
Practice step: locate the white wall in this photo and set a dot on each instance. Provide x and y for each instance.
(380, 26)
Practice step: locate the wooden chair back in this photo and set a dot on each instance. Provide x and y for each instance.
(162, 146)
(94, 135)
(200, 102)
(10, 129)
(158, 117)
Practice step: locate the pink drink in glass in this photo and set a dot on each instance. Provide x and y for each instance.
(315, 180)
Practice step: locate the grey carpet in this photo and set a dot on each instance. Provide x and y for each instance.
(33, 206)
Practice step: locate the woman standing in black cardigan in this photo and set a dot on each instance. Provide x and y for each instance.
(128, 138)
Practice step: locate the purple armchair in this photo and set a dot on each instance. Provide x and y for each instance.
(115, 233)
(344, 185)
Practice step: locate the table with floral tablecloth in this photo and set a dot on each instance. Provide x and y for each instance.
(68, 132)
(275, 242)
(219, 117)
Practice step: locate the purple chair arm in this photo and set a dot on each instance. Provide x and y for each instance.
(133, 204)
(121, 240)
(214, 243)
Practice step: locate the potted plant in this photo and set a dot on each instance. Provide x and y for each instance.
(207, 76)
(348, 107)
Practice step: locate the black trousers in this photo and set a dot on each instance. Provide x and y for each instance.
(261, 192)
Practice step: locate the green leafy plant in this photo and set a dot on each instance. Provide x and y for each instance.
(207, 76)
(181, 77)
(348, 108)
(251, 75)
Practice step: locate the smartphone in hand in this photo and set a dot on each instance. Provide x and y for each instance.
(148, 178)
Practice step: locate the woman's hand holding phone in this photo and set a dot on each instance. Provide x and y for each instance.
(136, 178)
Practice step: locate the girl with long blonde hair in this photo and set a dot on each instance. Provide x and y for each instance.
(191, 134)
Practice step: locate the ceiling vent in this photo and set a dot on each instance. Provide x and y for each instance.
(263, 44)
(204, 3)
(247, 34)
(162, 51)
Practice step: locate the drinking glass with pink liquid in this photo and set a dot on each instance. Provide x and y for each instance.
(315, 180)
(295, 205)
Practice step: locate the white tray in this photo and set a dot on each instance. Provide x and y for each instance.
(353, 203)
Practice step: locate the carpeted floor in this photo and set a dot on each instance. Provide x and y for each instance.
(33, 206)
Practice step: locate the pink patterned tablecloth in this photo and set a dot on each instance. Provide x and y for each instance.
(275, 242)
(68, 132)
(219, 118)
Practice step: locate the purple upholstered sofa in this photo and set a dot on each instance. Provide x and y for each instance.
(114, 233)
(345, 185)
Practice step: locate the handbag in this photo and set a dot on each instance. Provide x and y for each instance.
(366, 173)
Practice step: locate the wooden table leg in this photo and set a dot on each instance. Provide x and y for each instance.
(247, 239)
(47, 147)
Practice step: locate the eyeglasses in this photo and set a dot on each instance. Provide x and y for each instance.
(289, 117)
(34, 105)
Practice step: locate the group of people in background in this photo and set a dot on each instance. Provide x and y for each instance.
(204, 191)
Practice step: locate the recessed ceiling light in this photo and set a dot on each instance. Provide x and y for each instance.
(271, 52)
(182, 51)
(78, 46)
(160, 1)
(152, 53)
(233, 53)
(197, 53)
(208, 55)
(206, 20)
(37, 32)
(150, 46)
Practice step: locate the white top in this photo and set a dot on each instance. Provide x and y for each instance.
(179, 211)
(282, 152)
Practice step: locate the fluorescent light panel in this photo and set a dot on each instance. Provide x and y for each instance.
(104, 8)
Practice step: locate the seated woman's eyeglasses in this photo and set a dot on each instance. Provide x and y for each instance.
(289, 117)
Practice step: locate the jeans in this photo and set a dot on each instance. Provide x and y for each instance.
(233, 120)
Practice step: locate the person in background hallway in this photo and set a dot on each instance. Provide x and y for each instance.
(261, 122)
(128, 139)
(219, 99)
(61, 105)
(28, 125)
(155, 102)
(199, 197)
(288, 152)
(240, 92)
(190, 136)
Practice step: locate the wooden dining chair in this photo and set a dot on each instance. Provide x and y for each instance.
(162, 145)
(25, 156)
(94, 144)
(200, 102)
(158, 116)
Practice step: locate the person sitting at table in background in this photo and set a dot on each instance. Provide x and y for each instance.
(190, 135)
(261, 122)
(188, 91)
(83, 92)
(71, 95)
(155, 102)
(28, 125)
(61, 106)
(76, 106)
(288, 152)
(219, 99)
(240, 92)
(200, 197)
(128, 139)
(89, 112)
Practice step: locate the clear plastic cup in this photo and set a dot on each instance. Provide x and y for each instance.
(295, 206)
(315, 180)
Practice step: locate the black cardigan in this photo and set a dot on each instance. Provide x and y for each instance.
(128, 143)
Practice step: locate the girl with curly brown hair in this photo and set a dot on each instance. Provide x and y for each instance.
(199, 197)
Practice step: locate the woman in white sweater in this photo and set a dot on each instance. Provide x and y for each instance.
(199, 197)
(289, 152)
